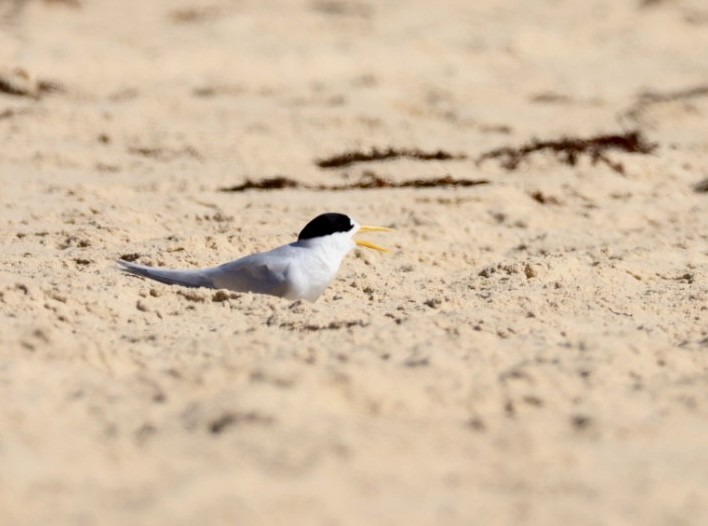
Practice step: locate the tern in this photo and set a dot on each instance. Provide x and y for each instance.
(299, 270)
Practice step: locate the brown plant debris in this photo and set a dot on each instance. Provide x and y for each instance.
(701, 187)
(375, 154)
(68, 3)
(226, 420)
(570, 149)
(550, 97)
(12, 112)
(342, 8)
(368, 181)
(544, 199)
(650, 98)
(193, 14)
(165, 153)
(277, 182)
(11, 10)
(18, 82)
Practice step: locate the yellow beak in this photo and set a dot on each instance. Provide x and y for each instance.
(368, 244)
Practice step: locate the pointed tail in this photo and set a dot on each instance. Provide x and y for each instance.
(186, 278)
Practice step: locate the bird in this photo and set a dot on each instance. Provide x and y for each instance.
(300, 270)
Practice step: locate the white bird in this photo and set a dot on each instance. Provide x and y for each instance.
(300, 270)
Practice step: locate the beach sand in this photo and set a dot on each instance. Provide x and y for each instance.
(533, 351)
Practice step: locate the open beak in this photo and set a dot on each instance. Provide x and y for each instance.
(368, 244)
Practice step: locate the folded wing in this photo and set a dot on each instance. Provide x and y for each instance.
(249, 274)
(186, 278)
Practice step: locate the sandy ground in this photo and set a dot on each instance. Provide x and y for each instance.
(534, 350)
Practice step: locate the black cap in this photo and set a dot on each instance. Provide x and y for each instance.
(326, 224)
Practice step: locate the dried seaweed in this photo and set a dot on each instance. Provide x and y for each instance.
(165, 153)
(68, 3)
(189, 15)
(12, 10)
(19, 83)
(349, 158)
(269, 183)
(651, 98)
(544, 199)
(339, 8)
(13, 112)
(368, 181)
(570, 149)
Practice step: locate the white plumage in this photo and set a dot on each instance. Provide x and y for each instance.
(300, 270)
